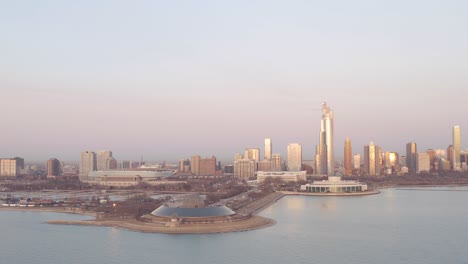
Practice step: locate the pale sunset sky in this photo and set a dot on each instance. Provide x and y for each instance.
(169, 79)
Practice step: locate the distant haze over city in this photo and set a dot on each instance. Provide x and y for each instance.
(166, 80)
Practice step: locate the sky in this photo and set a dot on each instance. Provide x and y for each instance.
(170, 79)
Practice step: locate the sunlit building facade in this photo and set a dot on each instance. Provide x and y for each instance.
(9, 168)
(372, 160)
(294, 157)
(88, 163)
(357, 161)
(252, 154)
(268, 148)
(392, 162)
(325, 161)
(334, 185)
(277, 162)
(348, 162)
(423, 163)
(244, 169)
(411, 156)
(287, 176)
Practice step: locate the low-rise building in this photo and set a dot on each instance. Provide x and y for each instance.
(289, 176)
(334, 185)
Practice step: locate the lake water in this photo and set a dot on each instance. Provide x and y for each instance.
(429, 225)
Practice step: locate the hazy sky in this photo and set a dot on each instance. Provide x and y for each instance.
(168, 79)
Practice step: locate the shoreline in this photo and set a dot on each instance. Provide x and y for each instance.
(252, 223)
(421, 186)
(49, 210)
(368, 192)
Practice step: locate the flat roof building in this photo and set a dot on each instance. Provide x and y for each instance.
(289, 176)
(334, 184)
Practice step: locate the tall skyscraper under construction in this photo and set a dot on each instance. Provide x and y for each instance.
(325, 161)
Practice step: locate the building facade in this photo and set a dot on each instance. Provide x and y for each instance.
(411, 156)
(252, 154)
(294, 157)
(208, 166)
(372, 160)
(9, 168)
(348, 162)
(325, 151)
(456, 164)
(244, 169)
(288, 176)
(277, 162)
(103, 160)
(268, 148)
(423, 163)
(195, 165)
(334, 185)
(391, 162)
(265, 165)
(87, 163)
(357, 161)
(54, 168)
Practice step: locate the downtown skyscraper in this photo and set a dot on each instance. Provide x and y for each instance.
(87, 163)
(411, 156)
(348, 162)
(372, 159)
(456, 163)
(325, 161)
(268, 148)
(294, 157)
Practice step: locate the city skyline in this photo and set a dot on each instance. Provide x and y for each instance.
(166, 80)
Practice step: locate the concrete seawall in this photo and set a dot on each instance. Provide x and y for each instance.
(369, 192)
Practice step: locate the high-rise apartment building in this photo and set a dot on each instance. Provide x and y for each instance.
(348, 162)
(87, 163)
(277, 162)
(9, 167)
(208, 166)
(456, 164)
(103, 160)
(244, 169)
(433, 158)
(268, 148)
(372, 160)
(252, 154)
(325, 156)
(111, 163)
(391, 162)
(125, 165)
(205, 167)
(423, 163)
(450, 155)
(294, 157)
(238, 156)
(411, 156)
(357, 161)
(195, 164)
(265, 165)
(54, 168)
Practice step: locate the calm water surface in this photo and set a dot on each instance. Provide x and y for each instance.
(396, 226)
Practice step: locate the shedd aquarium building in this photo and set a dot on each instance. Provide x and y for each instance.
(334, 184)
